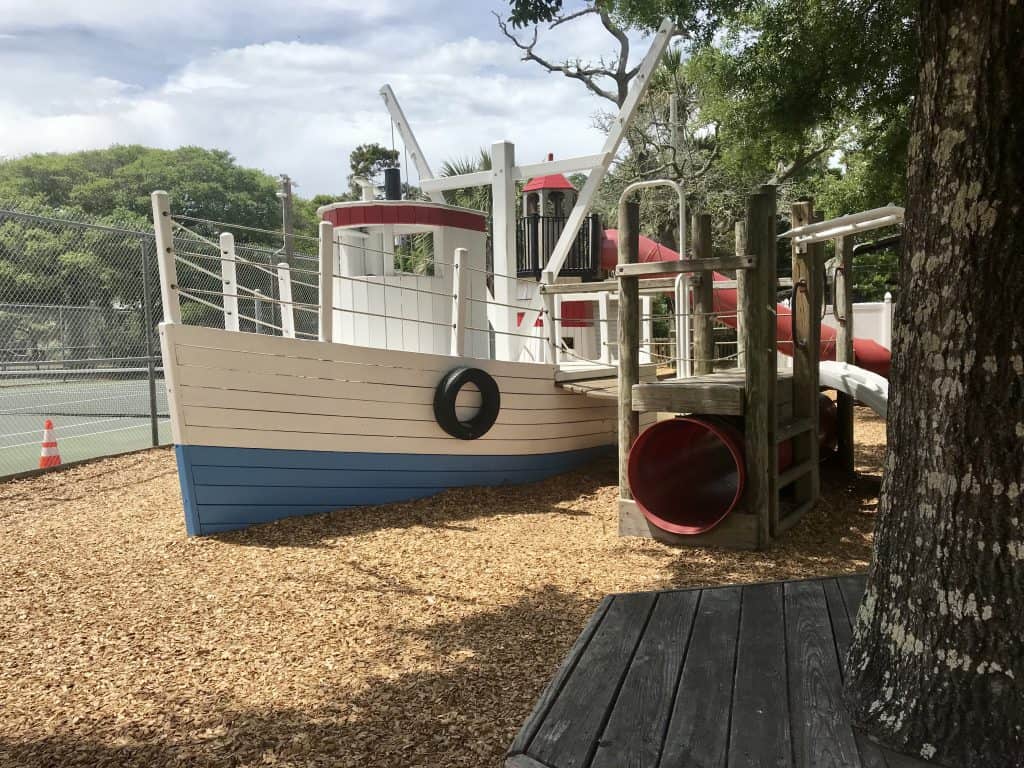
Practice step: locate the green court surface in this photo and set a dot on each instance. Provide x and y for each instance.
(92, 416)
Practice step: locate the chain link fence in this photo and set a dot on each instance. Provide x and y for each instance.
(79, 306)
(79, 309)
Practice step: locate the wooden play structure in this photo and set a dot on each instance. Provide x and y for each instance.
(755, 428)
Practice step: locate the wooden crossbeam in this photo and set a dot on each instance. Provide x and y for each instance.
(685, 265)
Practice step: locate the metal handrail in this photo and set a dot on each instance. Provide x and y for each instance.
(682, 287)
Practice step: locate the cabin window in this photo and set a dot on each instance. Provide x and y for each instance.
(414, 253)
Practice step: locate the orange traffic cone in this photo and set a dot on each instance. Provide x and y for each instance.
(50, 456)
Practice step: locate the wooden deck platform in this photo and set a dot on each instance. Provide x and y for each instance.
(599, 381)
(720, 393)
(726, 677)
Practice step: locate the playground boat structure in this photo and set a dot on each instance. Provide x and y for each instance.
(455, 371)
(416, 382)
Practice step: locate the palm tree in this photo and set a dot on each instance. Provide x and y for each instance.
(474, 198)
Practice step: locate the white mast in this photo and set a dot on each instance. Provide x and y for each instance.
(502, 177)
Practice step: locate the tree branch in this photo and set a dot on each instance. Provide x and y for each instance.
(620, 74)
(576, 70)
(562, 19)
(797, 164)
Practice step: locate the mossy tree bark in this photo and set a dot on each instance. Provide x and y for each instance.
(937, 664)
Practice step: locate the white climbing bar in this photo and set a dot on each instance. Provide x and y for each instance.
(517, 173)
(853, 223)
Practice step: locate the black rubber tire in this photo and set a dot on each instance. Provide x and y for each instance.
(448, 391)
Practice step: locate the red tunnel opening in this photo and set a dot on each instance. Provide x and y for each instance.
(688, 473)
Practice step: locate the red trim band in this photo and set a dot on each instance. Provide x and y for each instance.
(404, 213)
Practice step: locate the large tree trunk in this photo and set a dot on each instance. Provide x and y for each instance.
(937, 664)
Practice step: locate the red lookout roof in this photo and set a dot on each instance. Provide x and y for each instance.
(554, 181)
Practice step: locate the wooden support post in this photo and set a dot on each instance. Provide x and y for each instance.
(843, 308)
(629, 338)
(460, 301)
(760, 376)
(703, 299)
(284, 290)
(165, 257)
(806, 324)
(741, 287)
(228, 281)
(326, 280)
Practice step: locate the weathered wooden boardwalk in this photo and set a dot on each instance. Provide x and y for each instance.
(725, 677)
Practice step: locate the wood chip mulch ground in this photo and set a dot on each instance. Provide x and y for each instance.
(417, 634)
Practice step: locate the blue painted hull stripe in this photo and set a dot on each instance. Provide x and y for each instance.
(230, 488)
(268, 457)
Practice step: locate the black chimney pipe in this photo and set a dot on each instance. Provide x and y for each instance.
(392, 184)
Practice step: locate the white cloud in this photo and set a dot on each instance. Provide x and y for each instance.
(300, 107)
(201, 18)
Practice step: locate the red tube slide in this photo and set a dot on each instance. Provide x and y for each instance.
(687, 474)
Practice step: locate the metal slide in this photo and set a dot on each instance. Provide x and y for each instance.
(859, 383)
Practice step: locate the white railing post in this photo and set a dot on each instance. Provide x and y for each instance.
(460, 302)
(646, 329)
(603, 330)
(228, 281)
(165, 257)
(556, 328)
(284, 291)
(684, 363)
(326, 280)
(550, 312)
(503, 206)
(886, 320)
(258, 300)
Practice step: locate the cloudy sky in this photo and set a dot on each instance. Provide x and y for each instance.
(286, 86)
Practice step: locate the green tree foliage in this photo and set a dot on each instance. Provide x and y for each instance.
(812, 95)
(117, 182)
(43, 263)
(694, 19)
(368, 161)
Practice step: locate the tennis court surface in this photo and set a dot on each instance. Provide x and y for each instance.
(94, 412)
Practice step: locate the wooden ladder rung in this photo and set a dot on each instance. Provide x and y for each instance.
(794, 473)
(794, 516)
(793, 428)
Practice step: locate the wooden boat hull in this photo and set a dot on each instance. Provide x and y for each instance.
(268, 427)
